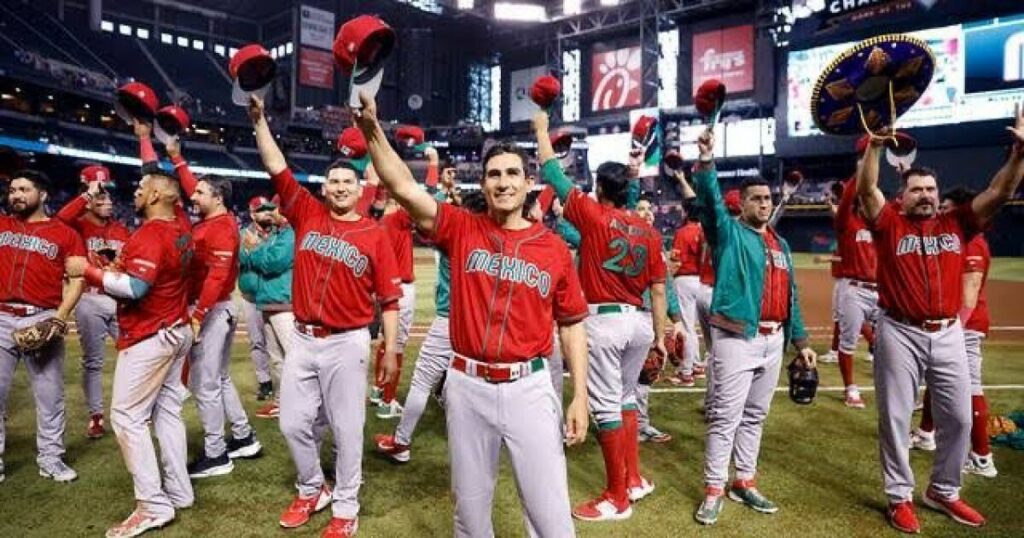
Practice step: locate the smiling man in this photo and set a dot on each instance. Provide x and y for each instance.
(344, 262)
(511, 281)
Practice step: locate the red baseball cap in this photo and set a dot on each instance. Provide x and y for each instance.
(260, 203)
(96, 172)
(710, 97)
(136, 100)
(410, 135)
(644, 131)
(673, 160)
(733, 202)
(902, 151)
(561, 141)
(352, 143)
(360, 48)
(252, 69)
(545, 90)
(171, 121)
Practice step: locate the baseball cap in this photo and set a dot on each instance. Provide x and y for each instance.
(136, 100)
(561, 141)
(709, 98)
(644, 131)
(252, 70)
(171, 121)
(352, 143)
(410, 135)
(733, 202)
(545, 90)
(673, 160)
(261, 203)
(96, 172)
(360, 48)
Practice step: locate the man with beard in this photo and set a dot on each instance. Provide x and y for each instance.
(150, 284)
(35, 253)
(267, 258)
(91, 215)
(212, 276)
(920, 265)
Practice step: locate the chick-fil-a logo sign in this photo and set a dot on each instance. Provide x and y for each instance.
(726, 55)
(615, 79)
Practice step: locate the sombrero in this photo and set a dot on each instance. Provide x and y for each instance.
(871, 84)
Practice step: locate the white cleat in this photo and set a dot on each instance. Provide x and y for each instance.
(389, 411)
(922, 440)
(645, 488)
(829, 357)
(981, 465)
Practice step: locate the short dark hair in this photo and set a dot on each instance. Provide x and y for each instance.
(474, 202)
(39, 179)
(918, 171)
(613, 180)
(960, 196)
(645, 199)
(502, 148)
(221, 187)
(755, 181)
(343, 163)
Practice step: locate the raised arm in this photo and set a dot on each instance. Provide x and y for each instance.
(871, 198)
(188, 181)
(551, 169)
(1007, 179)
(273, 161)
(75, 208)
(714, 217)
(393, 173)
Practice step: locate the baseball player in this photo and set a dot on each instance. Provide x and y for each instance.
(213, 275)
(91, 215)
(261, 218)
(436, 351)
(620, 257)
(858, 289)
(755, 312)
(975, 318)
(920, 266)
(512, 279)
(343, 264)
(35, 253)
(686, 251)
(266, 262)
(150, 283)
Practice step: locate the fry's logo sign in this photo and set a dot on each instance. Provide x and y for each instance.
(726, 55)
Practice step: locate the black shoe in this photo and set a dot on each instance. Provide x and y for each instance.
(205, 466)
(266, 391)
(247, 447)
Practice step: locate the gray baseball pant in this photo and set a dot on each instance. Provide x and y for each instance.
(45, 374)
(745, 373)
(327, 376)
(618, 346)
(972, 342)
(257, 341)
(96, 317)
(556, 367)
(147, 387)
(215, 393)
(704, 296)
(643, 402)
(903, 354)
(524, 416)
(278, 327)
(856, 306)
(431, 364)
(687, 289)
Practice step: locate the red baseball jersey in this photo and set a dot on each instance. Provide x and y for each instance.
(775, 293)
(854, 242)
(688, 242)
(366, 200)
(399, 227)
(836, 265)
(920, 262)
(508, 287)
(159, 253)
(214, 270)
(341, 267)
(32, 256)
(706, 267)
(103, 240)
(978, 260)
(620, 253)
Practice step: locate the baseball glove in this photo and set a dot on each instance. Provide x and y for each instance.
(999, 425)
(37, 336)
(803, 382)
(651, 371)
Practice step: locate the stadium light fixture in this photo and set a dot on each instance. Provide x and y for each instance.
(183, 42)
(607, 3)
(464, 4)
(106, 26)
(231, 52)
(510, 11)
(142, 33)
(572, 7)
(219, 49)
(124, 29)
(166, 38)
(289, 47)
(198, 45)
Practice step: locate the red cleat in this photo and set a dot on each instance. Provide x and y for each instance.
(682, 380)
(386, 445)
(341, 528)
(269, 411)
(699, 372)
(96, 429)
(602, 509)
(903, 518)
(301, 508)
(957, 509)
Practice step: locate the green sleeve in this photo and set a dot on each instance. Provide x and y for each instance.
(277, 256)
(553, 174)
(714, 217)
(568, 232)
(672, 299)
(633, 193)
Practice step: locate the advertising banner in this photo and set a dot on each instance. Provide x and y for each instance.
(615, 79)
(726, 55)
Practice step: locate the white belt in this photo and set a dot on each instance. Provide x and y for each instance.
(611, 308)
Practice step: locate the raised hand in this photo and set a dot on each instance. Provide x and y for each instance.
(142, 129)
(256, 108)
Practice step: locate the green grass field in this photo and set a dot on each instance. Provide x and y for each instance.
(820, 463)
